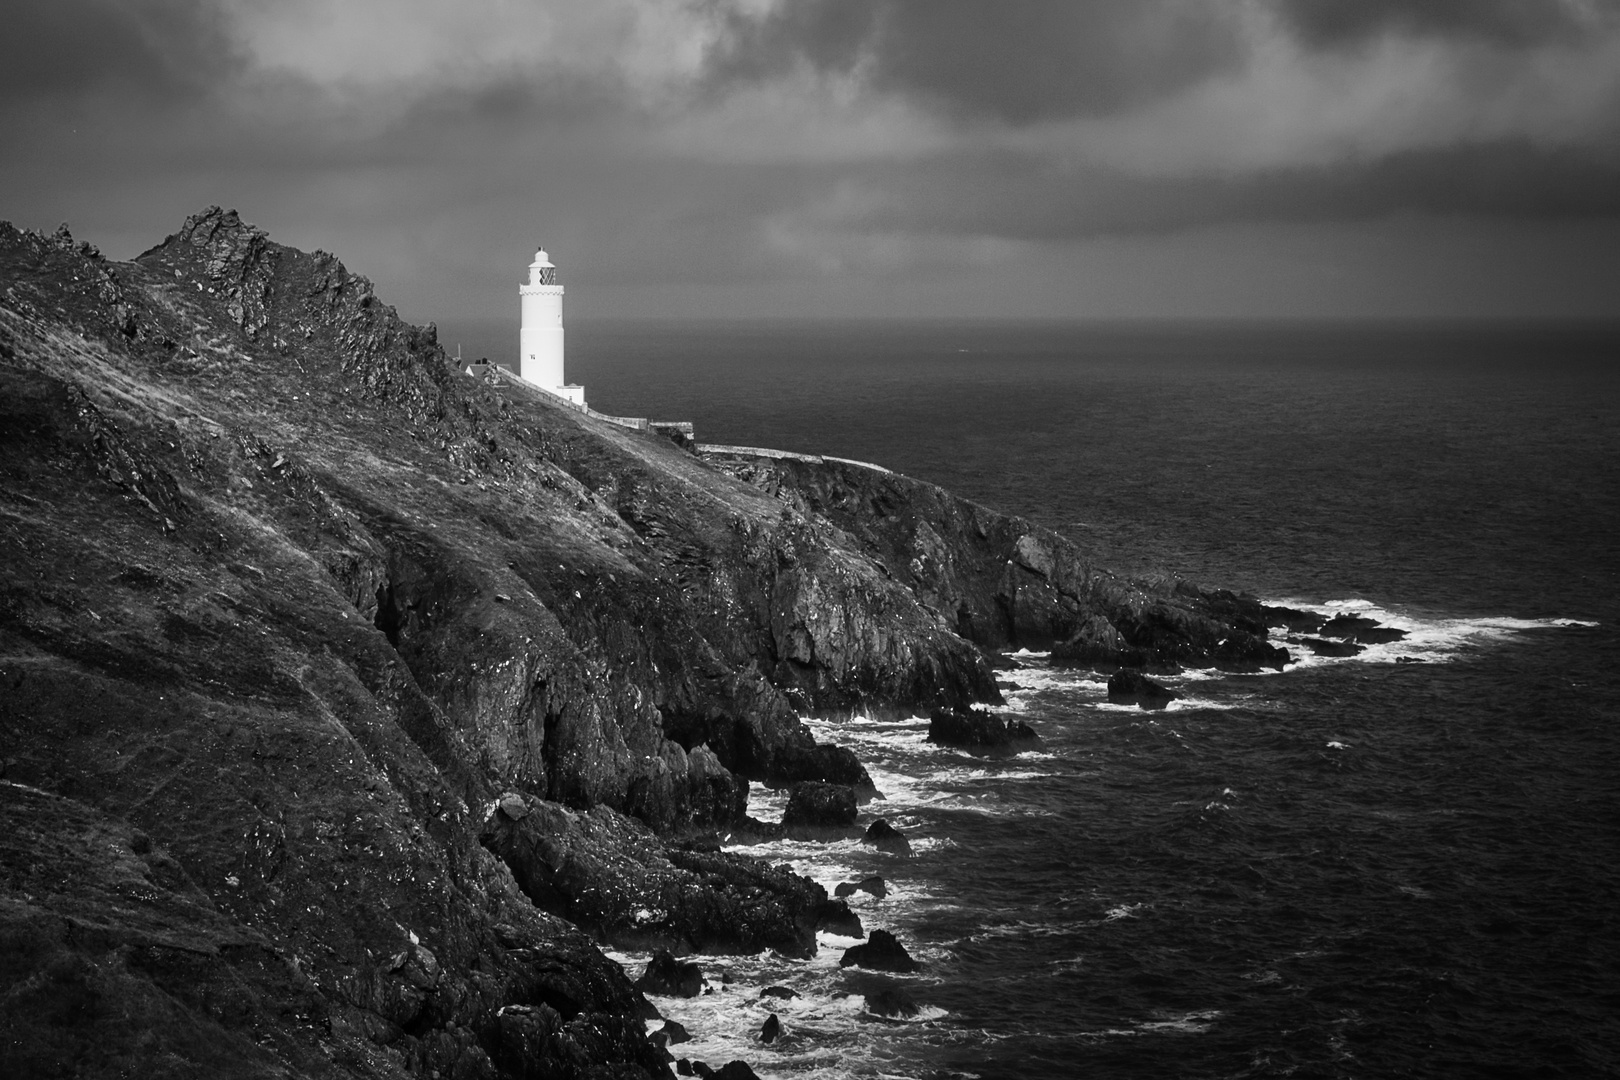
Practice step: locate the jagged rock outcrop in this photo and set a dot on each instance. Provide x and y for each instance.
(1133, 688)
(981, 732)
(881, 952)
(611, 876)
(1003, 582)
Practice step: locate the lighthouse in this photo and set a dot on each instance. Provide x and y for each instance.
(540, 341)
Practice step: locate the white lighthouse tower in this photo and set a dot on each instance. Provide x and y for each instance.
(540, 342)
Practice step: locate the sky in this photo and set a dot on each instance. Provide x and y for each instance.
(810, 158)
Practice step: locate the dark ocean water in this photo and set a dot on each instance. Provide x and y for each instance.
(1354, 868)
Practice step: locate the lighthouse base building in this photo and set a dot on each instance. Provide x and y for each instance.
(540, 341)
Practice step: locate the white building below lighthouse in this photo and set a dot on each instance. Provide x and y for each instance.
(540, 341)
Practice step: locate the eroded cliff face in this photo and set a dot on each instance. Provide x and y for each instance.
(290, 609)
(1005, 583)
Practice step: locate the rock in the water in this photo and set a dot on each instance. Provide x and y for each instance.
(735, 1070)
(813, 805)
(1300, 622)
(874, 885)
(1329, 647)
(782, 992)
(1360, 629)
(771, 1030)
(668, 977)
(881, 952)
(835, 917)
(980, 732)
(1343, 626)
(891, 1001)
(886, 837)
(675, 1033)
(1133, 688)
(683, 1067)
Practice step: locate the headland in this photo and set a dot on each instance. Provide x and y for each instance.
(349, 704)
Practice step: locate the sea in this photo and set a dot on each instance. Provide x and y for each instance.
(1400, 864)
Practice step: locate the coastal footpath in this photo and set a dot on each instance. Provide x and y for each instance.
(350, 703)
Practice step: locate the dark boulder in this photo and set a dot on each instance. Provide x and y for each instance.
(735, 1070)
(674, 1033)
(771, 1030)
(881, 952)
(667, 977)
(1344, 626)
(1328, 647)
(1133, 688)
(892, 1001)
(1360, 629)
(822, 763)
(782, 992)
(1294, 620)
(1249, 653)
(874, 885)
(815, 807)
(886, 837)
(835, 917)
(980, 732)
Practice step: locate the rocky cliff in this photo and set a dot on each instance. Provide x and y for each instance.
(348, 701)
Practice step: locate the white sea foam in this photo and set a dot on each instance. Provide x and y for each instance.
(1431, 640)
(1193, 1023)
(824, 1027)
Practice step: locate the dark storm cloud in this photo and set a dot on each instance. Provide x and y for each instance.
(1029, 201)
(1016, 62)
(1509, 23)
(165, 48)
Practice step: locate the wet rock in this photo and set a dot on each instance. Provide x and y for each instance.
(874, 885)
(1327, 647)
(980, 732)
(667, 977)
(1344, 626)
(835, 917)
(892, 1001)
(771, 1030)
(782, 992)
(735, 1070)
(815, 807)
(1133, 688)
(886, 837)
(1293, 619)
(1360, 629)
(881, 952)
